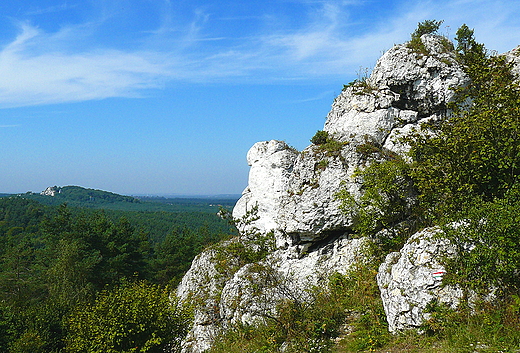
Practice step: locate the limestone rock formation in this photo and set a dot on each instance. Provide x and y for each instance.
(249, 294)
(295, 192)
(412, 278)
(200, 285)
(294, 197)
(51, 191)
(514, 57)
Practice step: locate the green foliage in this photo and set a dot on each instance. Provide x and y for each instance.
(368, 149)
(79, 196)
(475, 152)
(362, 85)
(55, 258)
(327, 144)
(173, 256)
(92, 249)
(387, 196)
(469, 51)
(487, 327)
(132, 317)
(321, 165)
(488, 245)
(373, 150)
(250, 246)
(333, 147)
(310, 325)
(321, 137)
(425, 27)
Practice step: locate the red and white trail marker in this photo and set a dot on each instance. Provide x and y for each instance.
(438, 274)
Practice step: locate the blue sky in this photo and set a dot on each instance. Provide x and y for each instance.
(163, 97)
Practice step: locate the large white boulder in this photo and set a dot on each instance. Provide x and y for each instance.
(411, 278)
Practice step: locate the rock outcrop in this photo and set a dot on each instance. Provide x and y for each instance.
(411, 278)
(293, 195)
(227, 293)
(514, 57)
(295, 192)
(51, 191)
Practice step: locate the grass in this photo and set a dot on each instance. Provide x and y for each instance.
(348, 316)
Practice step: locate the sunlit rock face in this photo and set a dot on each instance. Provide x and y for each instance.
(295, 191)
(252, 292)
(411, 278)
(292, 195)
(514, 57)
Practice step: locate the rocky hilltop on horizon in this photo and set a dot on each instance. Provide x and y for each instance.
(291, 213)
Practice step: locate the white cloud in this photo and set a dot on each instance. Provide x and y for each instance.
(56, 77)
(65, 66)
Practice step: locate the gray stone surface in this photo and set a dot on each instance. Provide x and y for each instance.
(294, 193)
(253, 292)
(411, 278)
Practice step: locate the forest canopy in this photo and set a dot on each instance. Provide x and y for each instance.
(61, 262)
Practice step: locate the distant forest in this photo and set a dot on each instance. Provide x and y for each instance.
(59, 253)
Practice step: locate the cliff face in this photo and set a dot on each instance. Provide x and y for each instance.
(295, 192)
(292, 197)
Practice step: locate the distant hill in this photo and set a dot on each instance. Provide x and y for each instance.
(77, 196)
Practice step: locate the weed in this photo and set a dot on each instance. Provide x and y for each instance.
(321, 165)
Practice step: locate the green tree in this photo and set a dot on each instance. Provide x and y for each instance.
(475, 152)
(467, 170)
(92, 249)
(468, 50)
(426, 27)
(173, 256)
(488, 245)
(20, 282)
(387, 198)
(321, 137)
(132, 317)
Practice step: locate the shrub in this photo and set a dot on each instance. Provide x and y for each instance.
(133, 317)
(321, 137)
(488, 245)
(475, 152)
(309, 326)
(321, 165)
(387, 196)
(362, 84)
(425, 27)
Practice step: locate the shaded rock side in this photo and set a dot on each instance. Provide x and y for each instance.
(254, 292)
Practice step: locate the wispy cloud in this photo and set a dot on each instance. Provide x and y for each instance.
(56, 77)
(49, 9)
(38, 67)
